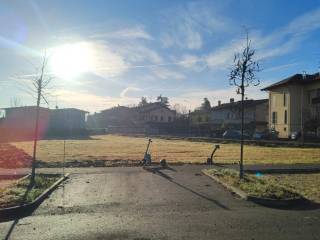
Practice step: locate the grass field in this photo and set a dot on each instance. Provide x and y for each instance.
(113, 147)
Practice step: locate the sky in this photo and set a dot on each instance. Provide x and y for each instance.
(106, 53)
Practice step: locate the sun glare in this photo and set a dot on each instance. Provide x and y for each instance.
(70, 60)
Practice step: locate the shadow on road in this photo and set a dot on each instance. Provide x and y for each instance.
(160, 173)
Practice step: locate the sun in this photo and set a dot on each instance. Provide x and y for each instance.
(70, 60)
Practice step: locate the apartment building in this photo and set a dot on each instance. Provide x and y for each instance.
(293, 102)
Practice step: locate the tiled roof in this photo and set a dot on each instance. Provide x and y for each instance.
(69, 109)
(297, 78)
(247, 103)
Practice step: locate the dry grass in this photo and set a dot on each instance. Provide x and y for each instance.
(18, 193)
(6, 182)
(112, 147)
(252, 185)
(305, 184)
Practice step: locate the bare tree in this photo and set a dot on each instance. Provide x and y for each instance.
(143, 102)
(15, 102)
(243, 75)
(36, 84)
(180, 109)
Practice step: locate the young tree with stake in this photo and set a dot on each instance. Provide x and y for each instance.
(40, 84)
(243, 75)
(36, 85)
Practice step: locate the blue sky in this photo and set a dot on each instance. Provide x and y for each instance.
(128, 49)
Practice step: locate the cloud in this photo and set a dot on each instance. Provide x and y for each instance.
(186, 37)
(166, 74)
(135, 32)
(137, 53)
(110, 60)
(90, 102)
(222, 58)
(187, 25)
(128, 90)
(107, 62)
(289, 37)
(305, 23)
(193, 62)
(278, 43)
(281, 67)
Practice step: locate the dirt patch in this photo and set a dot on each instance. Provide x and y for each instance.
(13, 157)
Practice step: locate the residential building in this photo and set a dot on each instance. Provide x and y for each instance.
(293, 102)
(67, 120)
(19, 122)
(138, 119)
(200, 117)
(228, 115)
(156, 112)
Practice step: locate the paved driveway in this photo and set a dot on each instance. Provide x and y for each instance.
(178, 203)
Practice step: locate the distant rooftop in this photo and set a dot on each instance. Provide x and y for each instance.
(247, 103)
(295, 79)
(23, 107)
(56, 109)
(69, 109)
(145, 108)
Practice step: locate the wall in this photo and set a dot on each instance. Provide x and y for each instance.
(19, 123)
(297, 107)
(160, 115)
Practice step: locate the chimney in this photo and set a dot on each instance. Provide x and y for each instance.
(219, 103)
(231, 100)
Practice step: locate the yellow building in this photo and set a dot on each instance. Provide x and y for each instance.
(200, 117)
(292, 101)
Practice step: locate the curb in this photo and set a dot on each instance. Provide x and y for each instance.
(235, 190)
(268, 202)
(283, 171)
(278, 203)
(25, 209)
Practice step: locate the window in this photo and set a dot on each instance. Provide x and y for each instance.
(156, 118)
(161, 118)
(274, 117)
(284, 99)
(285, 117)
(199, 119)
(169, 119)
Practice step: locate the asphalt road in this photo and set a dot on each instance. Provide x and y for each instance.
(178, 203)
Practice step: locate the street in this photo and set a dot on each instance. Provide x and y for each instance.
(175, 203)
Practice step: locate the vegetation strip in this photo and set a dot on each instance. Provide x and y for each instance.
(15, 197)
(251, 187)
